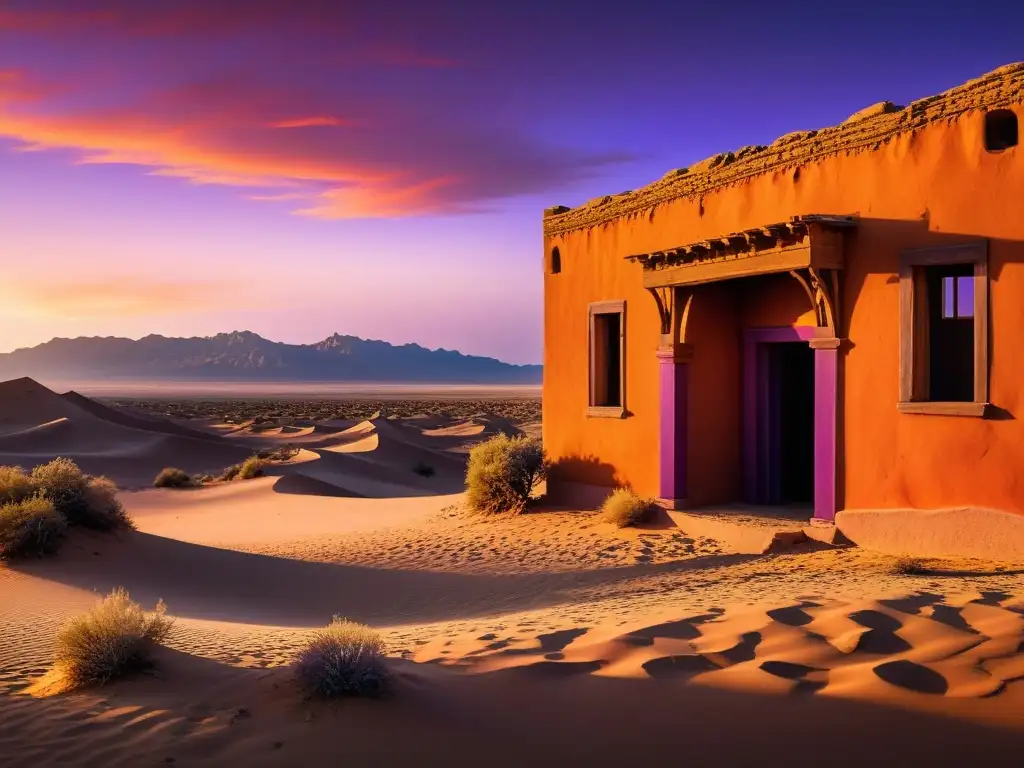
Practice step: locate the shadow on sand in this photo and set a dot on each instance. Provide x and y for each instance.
(205, 582)
(202, 712)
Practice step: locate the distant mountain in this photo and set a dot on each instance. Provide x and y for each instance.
(246, 356)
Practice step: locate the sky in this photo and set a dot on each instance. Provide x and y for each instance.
(380, 168)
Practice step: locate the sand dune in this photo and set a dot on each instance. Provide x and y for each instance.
(25, 404)
(546, 638)
(134, 420)
(129, 456)
(43, 433)
(461, 429)
(39, 425)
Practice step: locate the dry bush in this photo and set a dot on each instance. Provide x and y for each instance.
(284, 453)
(83, 499)
(343, 659)
(114, 638)
(104, 511)
(230, 473)
(15, 485)
(251, 467)
(503, 473)
(30, 527)
(172, 477)
(909, 566)
(624, 508)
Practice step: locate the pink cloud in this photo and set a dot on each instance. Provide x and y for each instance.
(283, 127)
(228, 131)
(310, 122)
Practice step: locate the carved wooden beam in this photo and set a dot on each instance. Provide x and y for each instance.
(790, 246)
(822, 289)
(684, 299)
(674, 314)
(826, 289)
(663, 298)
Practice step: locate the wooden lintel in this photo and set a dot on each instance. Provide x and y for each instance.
(827, 254)
(804, 242)
(765, 262)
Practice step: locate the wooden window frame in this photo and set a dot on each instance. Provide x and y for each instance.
(593, 310)
(913, 362)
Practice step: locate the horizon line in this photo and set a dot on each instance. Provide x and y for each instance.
(272, 341)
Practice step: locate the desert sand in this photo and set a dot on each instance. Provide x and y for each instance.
(549, 638)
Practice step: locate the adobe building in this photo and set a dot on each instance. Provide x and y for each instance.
(835, 320)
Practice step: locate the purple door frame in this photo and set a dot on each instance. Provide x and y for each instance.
(674, 381)
(755, 384)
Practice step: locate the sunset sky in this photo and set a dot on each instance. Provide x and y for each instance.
(380, 168)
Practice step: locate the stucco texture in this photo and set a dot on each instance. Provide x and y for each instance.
(936, 185)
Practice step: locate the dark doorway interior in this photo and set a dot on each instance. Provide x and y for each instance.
(791, 423)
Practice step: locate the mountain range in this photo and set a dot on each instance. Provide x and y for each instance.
(246, 356)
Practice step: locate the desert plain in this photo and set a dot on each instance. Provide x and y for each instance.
(546, 638)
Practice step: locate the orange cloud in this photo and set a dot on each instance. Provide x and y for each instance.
(367, 203)
(124, 296)
(309, 122)
(402, 149)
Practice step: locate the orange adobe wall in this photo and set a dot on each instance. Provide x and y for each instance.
(935, 185)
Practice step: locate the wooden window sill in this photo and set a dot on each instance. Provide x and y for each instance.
(606, 412)
(975, 410)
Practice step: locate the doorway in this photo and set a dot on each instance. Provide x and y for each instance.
(790, 427)
(790, 398)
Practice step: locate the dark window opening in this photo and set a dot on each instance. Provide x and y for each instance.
(556, 261)
(944, 334)
(1001, 130)
(951, 332)
(608, 360)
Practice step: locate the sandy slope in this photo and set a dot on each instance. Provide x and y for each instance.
(546, 639)
(37, 425)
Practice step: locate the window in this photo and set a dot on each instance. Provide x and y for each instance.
(607, 359)
(1001, 130)
(958, 296)
(944, 330)
(556, 261)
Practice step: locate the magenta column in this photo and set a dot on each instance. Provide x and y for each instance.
(674, 363)
(826, 413)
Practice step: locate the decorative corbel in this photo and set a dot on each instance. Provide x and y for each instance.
(674, 313)
(822, 289)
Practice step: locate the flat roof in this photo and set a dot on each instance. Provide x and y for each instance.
(867, 130)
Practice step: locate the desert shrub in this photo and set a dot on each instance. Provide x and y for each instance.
(114, 638)
(624, 508)
(423, 469)
(343, 659)
(909, 566)
(172, 477)
(30, 527)
(251, 467)
(63, 483)
(230, 473)
(83, 499)
(15, 485)
(284, 453)
(503, 472)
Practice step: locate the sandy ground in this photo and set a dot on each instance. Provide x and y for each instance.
(545, 639)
